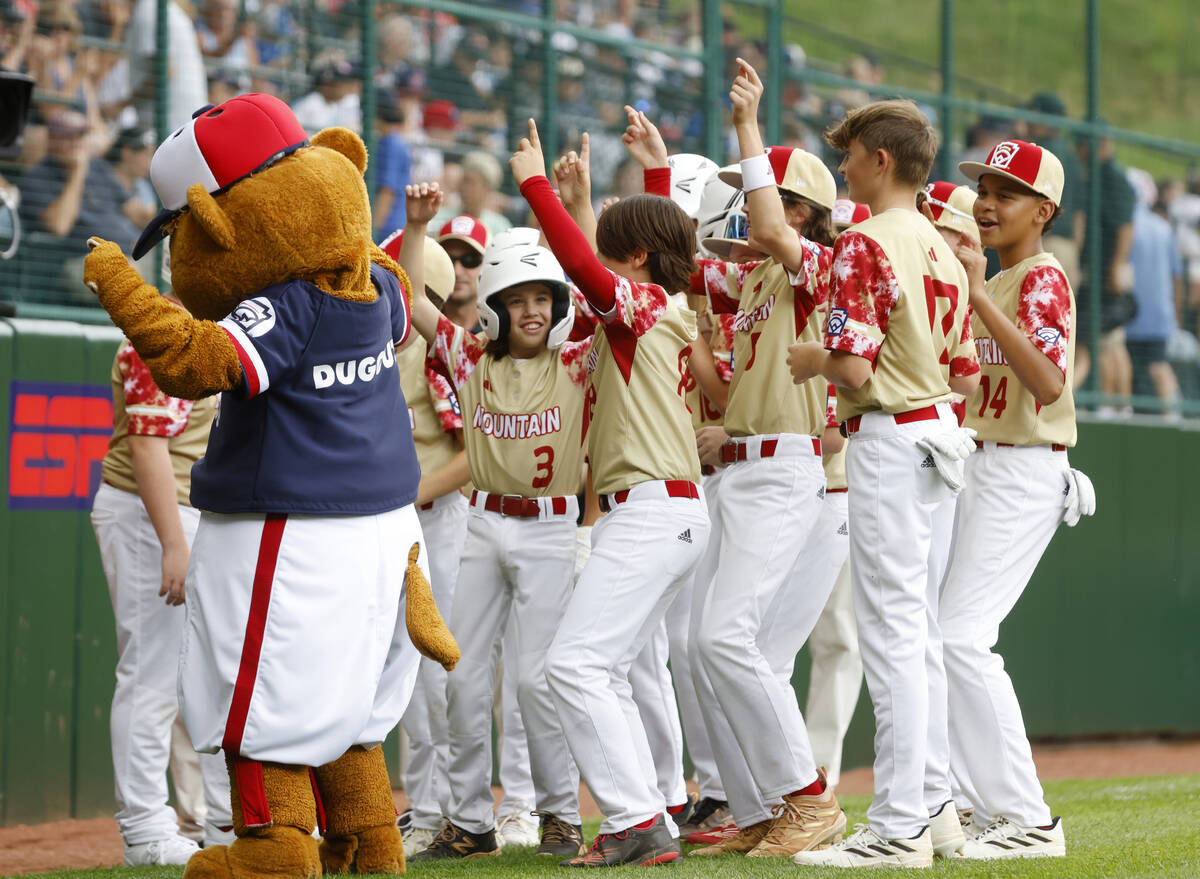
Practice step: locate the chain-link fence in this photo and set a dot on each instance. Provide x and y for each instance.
(441, 89)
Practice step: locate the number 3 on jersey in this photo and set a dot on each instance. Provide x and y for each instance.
(545, 468)
(937, 293)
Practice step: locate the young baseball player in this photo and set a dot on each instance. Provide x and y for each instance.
(521, 384)
(1024, 417)
(644, 467)
(145, 526)
(896, 346)
(770, 446)
(436, 421)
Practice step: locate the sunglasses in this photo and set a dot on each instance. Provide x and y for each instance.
(735, 227)
(470, 260)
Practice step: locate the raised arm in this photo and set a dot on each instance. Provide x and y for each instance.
(769, 230)
(573, 174)
(569, 244)
(422, 201)
(645, 144)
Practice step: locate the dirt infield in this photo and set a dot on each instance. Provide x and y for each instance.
(67, 845)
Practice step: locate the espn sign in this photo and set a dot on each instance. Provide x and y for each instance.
(58, 435)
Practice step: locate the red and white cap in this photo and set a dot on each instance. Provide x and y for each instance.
(216, 148)
(1026, 163)
(797, 171)
(846, 213)
(953, 207)
(467, 229)
(439, 270)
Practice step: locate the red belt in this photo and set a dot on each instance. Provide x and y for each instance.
(674, 488)
(735, 450)
(519, 507)
(836, 490)
(426, 506)
(707, 470)
(1054, 447)
(928, 413)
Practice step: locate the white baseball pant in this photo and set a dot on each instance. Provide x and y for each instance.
(893, 505)
(516, 778)
(679, 617)
(835, 677)
(145, 700)
(519, 569)
(654, 695)
(295, 647)
(425, 781)
(768, 509)
(1007, 514)
(643, 552)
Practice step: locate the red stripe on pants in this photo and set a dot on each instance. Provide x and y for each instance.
(256, 624)
(252, 792)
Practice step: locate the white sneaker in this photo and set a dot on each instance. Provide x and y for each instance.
(516, 830)
(946, 831)
(161, 852)
(417, 839)
(866, 848)
(214, 835)
(1003, 839)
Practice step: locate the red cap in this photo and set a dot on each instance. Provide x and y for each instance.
(467, 229)
(216, 148)
(1026, 163)
(847, 213)
(441, 114)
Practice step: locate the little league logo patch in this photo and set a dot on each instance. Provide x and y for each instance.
(461, 226)
(837, 321)
(1003, 154)
(1049, 335)
(255, 316)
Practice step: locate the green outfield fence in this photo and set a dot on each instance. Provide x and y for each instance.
(1103, 641)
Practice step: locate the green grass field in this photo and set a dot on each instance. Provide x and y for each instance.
(1117, 828)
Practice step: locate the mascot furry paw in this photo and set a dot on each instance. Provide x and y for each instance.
(308, 602)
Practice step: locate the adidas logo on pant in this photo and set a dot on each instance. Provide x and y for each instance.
(928, 462)
(686, 536)
(843, 530)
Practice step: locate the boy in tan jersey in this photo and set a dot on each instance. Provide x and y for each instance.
(896, 347)
(1024, 416)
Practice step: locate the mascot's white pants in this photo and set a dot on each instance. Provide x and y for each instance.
(295, 646)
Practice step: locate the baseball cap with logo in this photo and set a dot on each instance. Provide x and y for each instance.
(796, 171)
(216, 148)
(466, 229)
(1026, 163)
(952, 207)
(439, 270)
(846, 213)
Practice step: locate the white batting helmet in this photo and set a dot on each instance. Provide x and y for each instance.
(514, 236)
(717, 202)
(523, 264)
(689, 173)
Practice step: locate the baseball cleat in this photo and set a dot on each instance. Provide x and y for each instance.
(738, 843)
(417, 839)
(646, 848)
(174, 850)
(966, 817)
(713, 835)
(1002, 839)
(682, 814)
(866, 848)
(707, 813)
(946, 832)
(404, 820)
(516, 830)
(802, 823)
(560, 838)
(453, 842)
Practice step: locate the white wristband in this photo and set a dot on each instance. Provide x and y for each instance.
(757, 173)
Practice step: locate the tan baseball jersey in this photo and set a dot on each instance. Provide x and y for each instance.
(521, 418)
(704, 412)
(433, 410)
(771, 311)
(898, 297)
(835, 464)
(635, 421)
(1036, 296)
(141, 409)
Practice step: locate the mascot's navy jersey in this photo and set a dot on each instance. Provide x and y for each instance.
(319, 424)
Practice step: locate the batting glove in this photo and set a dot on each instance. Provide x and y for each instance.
(949, 452)
(1081, 498)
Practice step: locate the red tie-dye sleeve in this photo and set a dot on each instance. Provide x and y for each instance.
(862, 292)
(1044, 313)
(965, 361)
(151, 412)
(441, 392)
(831, 407)
(457, 350)
(721, 282)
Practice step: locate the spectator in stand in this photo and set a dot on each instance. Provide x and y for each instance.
(440, 128)
(393, 164)
(224, 84)
(981, 137)
(1183, 209)
(478, 193)
(129, 163)
(187, 84)
(1066, 239)
(1158, 290)
(16, 36)
(224, 39)
(466, 85)
(335, 98)
(1114, 290)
